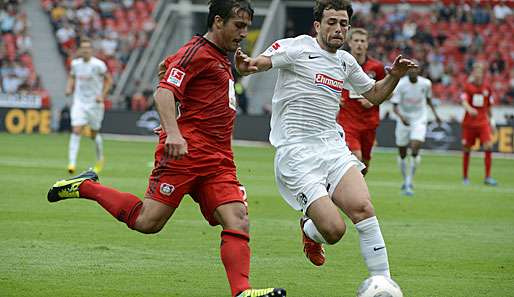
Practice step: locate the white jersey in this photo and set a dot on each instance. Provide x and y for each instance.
(89, 79)
(308, 89)
(412, 98)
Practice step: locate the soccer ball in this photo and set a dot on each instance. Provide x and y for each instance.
(379, 286)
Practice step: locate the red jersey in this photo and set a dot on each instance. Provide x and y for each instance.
(479, 97)
(200, 77)
(352, 114)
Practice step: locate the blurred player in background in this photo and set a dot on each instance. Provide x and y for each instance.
(89, 82)
(194, 155)
(359, 117)
(478, 122)
(315, 171)
(410, 100)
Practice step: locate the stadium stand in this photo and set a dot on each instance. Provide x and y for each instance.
(17, 72)
(446, 39)
(116, 27)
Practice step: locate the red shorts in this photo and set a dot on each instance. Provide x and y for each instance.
(470, 134)
(209, 191)
(361, 140)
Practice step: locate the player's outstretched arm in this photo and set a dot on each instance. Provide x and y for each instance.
(246, 65)
(382, 89)
(175, 145)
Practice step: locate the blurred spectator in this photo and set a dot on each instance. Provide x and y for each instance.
(497, 65)
(138, 102)
(501, 11)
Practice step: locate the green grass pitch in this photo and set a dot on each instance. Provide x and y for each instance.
(449, 240)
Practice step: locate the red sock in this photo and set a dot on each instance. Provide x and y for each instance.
(235, 255)
(488, 160)
(123, 206)
(465, 164)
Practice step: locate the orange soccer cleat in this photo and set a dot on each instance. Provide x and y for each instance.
(313, 250)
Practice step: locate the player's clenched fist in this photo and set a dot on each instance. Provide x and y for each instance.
(175, 146)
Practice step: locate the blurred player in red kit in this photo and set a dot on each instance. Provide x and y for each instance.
(194, 154)
(359, 117)
(477, 123)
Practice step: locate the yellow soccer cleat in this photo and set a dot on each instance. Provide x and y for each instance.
(270, 292)
(69, 188)
(71, 169)
(99, 165)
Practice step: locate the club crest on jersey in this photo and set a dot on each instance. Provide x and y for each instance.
(166, 189)
(176, 76)
(329, 83)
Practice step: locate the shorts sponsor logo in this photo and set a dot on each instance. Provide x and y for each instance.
(166, 189)
(176, 76)
(302, 199)
(326, 82)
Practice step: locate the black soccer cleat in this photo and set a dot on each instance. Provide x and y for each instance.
(69, 188)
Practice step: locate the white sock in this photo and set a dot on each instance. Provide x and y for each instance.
(403, 167)
(373, 247)
(73, 148)
(414, 162)
(310, 230)
(99, 147)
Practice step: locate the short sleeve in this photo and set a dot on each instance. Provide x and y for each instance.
(102, 68)
(358, 80)
(178, 75)
(73, 66)
(429, 89)
(283, 52)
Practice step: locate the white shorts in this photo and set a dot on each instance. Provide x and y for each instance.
(307, 171)
(415, 131)
(87, 114)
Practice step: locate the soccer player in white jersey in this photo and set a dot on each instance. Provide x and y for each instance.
(315, 171)
(89, 82)
(410, 100)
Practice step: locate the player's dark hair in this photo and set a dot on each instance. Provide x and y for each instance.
(321, 5)
(227, 9)
(85, 39)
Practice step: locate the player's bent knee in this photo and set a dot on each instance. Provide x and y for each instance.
(148, 227)
(335, 234)
(362, 210)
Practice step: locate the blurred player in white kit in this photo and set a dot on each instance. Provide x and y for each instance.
(89, 82)
(410, 100)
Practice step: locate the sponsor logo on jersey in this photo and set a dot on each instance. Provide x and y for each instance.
(372, 74)
(176, 76)
(328, 83)
(166, 189)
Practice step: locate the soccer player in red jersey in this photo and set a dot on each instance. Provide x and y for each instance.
(359, 117)
(194, 154)
(477, 123)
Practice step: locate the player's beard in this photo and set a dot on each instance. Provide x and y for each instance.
(329, 45)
